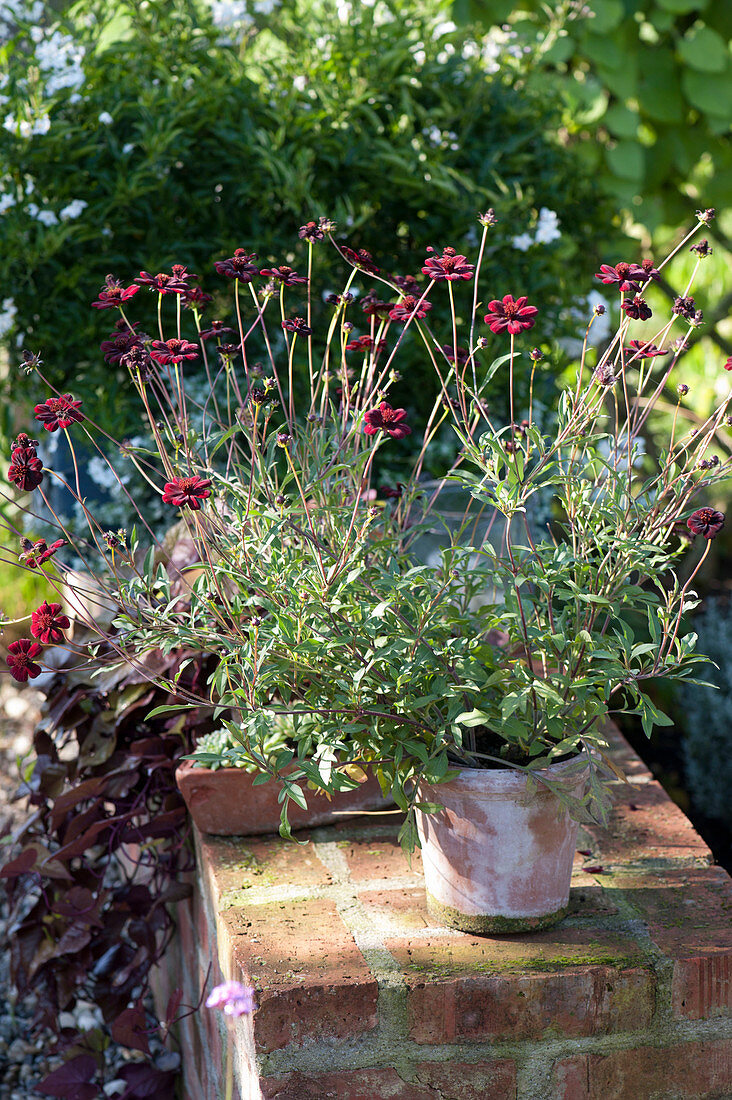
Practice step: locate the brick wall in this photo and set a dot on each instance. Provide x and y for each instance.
(364, 997)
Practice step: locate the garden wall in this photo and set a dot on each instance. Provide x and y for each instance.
(363, 996)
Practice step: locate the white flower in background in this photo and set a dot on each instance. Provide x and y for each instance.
(101, 474)
(10, 124)
(547, 228)
(46, 217)
(106, 119)
(523, 242)
(8, 311)
(73, 209)
(6, 201)
(225, 13)
(128, 147)
(444, 28)
(33, 209)
(59, 58)
(299, 83)
(264, 7)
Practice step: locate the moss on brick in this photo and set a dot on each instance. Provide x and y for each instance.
(491, 924)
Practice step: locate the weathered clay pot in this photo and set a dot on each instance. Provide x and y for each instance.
(498, 857)
(226, 802)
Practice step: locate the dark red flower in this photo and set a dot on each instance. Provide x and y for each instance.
(702, 249)
(118, 344)
(639, 349)
(365, 343)
(228, 351)
(706, 522)
(620, 274)
(311, 231)
(58, 412)
(173, 351)
(21, 659)
(239, 266)
(728, 364)
(391, 493)
(48, 623)
(284, 274)
(217, 329)
(386, 419)
(509, 315)
(449, 352)
(24, 440)
(361, 258)
(166, 284)
(372, 305)
(644, 270)
(450, 265)
(409, 307)
(298, 325)
(25, 469)
(138, 362)
(35, 553)
(636, 308)
(113, 293)
(195, 298)
(684, 307)
(187, 491)
(406, 283)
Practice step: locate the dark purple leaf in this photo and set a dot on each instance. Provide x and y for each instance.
(71, 1081)
(145, 1082)
(129, 1029)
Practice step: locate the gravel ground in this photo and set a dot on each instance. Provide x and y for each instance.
(24, 1060)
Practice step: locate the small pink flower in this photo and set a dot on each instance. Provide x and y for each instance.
(386, 419)
(622, 274)
(235, 998)
(510, 315)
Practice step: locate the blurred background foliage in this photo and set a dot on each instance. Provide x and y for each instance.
(190, 132)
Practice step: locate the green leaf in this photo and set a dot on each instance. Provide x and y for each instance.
(703, 49)
(658, 85)
(681, 7)
(607, 15)
(712, 96)
(627, 160)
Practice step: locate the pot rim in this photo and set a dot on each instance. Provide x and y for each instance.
(510, 780)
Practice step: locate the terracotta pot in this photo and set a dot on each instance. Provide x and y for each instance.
(226, 802)
(498, 857)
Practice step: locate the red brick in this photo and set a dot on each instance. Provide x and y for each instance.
(362, 1084)
(381, 857)
(234, 866)
(470, 1080)
(593, 1000)
(571, 1079)
(702, 987)
(690, 1071)
(688, 911)
(451, 954)
(312, 980)
(654, 829)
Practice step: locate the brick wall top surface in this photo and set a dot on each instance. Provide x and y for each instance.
(348, 964)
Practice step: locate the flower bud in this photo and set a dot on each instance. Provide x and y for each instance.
(283, 439)
(682, 389)
(489, 218)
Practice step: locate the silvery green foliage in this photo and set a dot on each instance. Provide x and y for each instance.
(707, 741)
